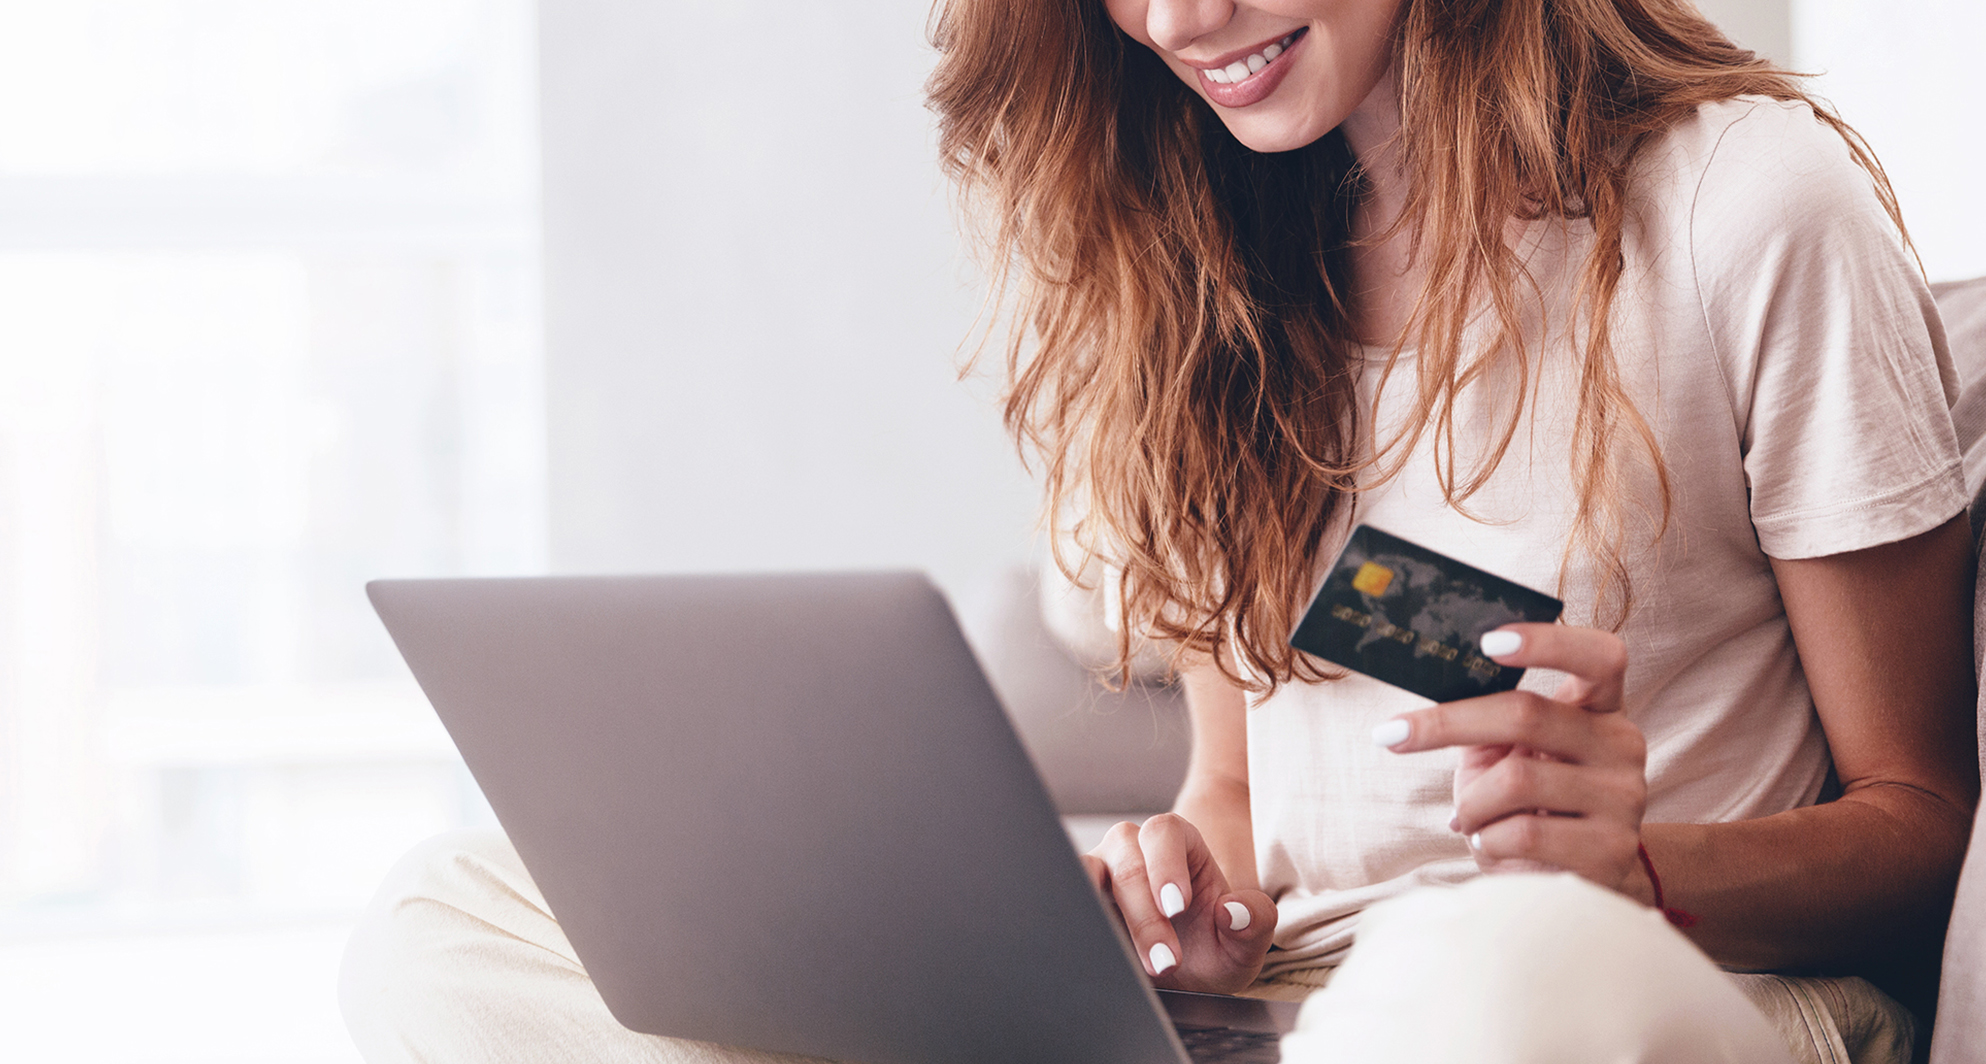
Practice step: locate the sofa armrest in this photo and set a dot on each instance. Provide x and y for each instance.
(1103, 752)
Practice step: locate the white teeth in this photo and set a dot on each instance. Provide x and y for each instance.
(1243, 69)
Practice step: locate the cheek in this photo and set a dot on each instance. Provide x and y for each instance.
(1381, 18)
(1129, 15)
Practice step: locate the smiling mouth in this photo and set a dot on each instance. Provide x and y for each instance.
(1247, 67)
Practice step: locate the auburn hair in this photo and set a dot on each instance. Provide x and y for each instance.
(1182, 358)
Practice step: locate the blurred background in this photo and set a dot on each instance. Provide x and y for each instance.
(299, 293)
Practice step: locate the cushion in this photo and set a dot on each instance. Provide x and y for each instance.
(1116, 754)
(1961, 1017)
(1963, 306)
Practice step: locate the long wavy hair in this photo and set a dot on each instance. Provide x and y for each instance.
(1182, 358)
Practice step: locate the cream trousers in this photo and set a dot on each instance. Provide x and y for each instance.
(458, 959)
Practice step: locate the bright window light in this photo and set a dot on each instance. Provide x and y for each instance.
(268, 329)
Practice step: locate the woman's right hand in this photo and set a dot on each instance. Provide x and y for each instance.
(1191, 930)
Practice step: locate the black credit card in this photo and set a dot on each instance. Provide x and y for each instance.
(1404, 615)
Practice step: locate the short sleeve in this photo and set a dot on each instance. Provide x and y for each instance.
(1828, 337)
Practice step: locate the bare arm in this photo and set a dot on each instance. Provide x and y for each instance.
(1865, 880)
(1215, 795)
(1884, 637)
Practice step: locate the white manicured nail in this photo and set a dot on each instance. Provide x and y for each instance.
(1171, 900)
(1476, 841)
(1392, 733)
(1499, 644)
(1162, 959)
(1237, 916)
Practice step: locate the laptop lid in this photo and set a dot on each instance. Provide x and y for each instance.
(783, 812)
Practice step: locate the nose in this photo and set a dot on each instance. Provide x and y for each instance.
(1174, 24)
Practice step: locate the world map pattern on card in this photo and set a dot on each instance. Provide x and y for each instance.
(1413, 618)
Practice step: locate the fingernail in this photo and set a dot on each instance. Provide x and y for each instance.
(1237, 916)
(1500, 644)
(1392, 733)
(1171, 900)
(1476, 841)
(1162, 959)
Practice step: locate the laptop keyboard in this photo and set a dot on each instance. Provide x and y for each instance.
(1209, 1045)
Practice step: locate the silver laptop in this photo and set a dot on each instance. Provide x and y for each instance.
(787, 812)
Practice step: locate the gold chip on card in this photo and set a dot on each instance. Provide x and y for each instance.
(1372, 579)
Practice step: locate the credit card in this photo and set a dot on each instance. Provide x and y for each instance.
(1407, 616)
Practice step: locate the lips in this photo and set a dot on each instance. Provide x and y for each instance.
(1250, 76)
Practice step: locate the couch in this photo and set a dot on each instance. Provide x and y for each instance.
(1960, 1031)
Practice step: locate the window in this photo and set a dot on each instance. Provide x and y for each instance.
(268, 329)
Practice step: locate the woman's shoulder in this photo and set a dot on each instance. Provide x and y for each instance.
(1752, 168)
(1749, 129)
(1770, 250)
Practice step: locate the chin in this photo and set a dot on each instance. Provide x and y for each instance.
(1268, 134)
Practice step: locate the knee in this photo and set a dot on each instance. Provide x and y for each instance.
(1534, 968)
(440, 858)
(438, 882)
(443, 915)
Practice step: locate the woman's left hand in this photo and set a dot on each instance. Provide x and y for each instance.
(1553, 782)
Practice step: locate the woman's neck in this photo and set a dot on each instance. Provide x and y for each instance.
(1385, 280)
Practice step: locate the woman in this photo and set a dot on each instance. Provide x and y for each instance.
(1574, 291)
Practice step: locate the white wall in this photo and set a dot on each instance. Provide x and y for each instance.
(1907, 76)
(755, 291)
(755, 298)
(1764, 26)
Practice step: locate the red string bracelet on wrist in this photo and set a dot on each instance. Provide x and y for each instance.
(1676, 916)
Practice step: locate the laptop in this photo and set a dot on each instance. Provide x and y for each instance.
(787, 812)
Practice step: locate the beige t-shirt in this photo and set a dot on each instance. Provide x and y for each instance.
(1786, 351)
